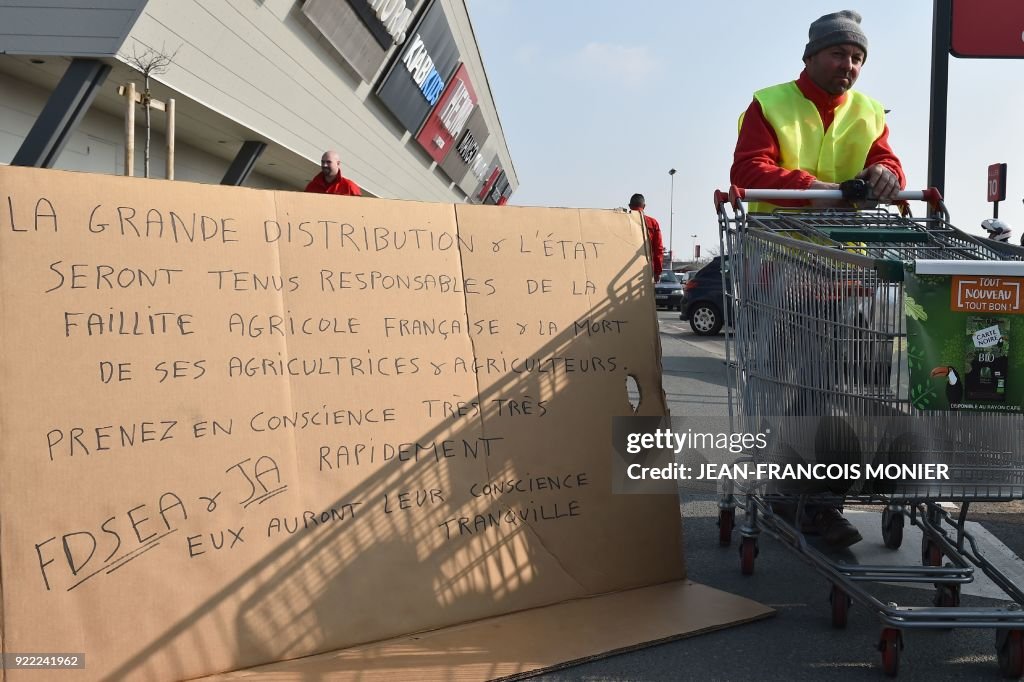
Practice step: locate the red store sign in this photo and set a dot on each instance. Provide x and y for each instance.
(987, 28)
(449, 117)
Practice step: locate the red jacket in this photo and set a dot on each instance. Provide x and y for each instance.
(341, 185)
(657, 247)
(756, 160)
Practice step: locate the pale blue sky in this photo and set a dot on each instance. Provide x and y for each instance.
(599, 98)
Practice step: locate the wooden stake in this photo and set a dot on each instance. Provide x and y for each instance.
(170, 139)
(129, 132)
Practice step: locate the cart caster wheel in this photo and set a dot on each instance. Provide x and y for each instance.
(947, 595)
(748, 552)
(840, 607)
(890, 645)
(1010, 653)
(726, 520)
(931, 553)
(892, 528)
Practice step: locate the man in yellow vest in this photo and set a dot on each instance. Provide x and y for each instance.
(815, 132)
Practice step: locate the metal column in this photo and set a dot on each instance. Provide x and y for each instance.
(244, 161)
(941, 30)
(65, 108)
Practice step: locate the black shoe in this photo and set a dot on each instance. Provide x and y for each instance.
(835, 529)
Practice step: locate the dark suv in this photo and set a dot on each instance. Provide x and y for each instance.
(702, 299)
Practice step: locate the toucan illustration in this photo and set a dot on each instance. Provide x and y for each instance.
(954, 386)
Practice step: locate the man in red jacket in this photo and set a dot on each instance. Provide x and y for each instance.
(815, 133)
(836, 51)
(637, 203)
(330, 181)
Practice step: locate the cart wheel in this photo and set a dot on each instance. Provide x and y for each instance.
(947, 595)
(892, 528)
(726, 519)
(840, 606)
(890, 645)
(748, 552)
(1010, 653)
(931, 553)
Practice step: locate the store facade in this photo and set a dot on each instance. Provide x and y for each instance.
(260, 90)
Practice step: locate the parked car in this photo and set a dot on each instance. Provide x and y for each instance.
(701, 303)
(668, 291)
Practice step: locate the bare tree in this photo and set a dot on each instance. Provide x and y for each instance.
(150, 63)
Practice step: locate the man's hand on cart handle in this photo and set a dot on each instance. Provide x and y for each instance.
(857, 193)
(883, 182)
(839, 196)
(856, 190)
(874, 183)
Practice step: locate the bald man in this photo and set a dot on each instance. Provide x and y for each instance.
(329, 180)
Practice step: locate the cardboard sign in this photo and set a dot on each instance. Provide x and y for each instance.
(243, 426)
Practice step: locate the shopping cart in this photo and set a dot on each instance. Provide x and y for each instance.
(818, 359)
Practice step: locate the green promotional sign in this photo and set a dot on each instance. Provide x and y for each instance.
(965, 335)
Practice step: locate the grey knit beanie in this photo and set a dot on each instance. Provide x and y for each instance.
(838, 28)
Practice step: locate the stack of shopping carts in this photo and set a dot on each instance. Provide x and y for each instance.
(819, 361)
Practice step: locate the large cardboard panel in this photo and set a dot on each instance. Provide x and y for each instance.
(522, 644)
(242, 426)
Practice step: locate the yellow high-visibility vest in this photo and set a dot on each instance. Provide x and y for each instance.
(832, 155)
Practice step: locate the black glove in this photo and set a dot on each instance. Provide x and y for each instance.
(855, 190)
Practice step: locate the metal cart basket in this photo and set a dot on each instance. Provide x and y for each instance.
(818, 360)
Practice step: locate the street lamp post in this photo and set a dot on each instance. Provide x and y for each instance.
(693, 251)
(671, 212)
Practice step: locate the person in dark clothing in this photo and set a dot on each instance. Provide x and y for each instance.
(330, 181)
(638, 203)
